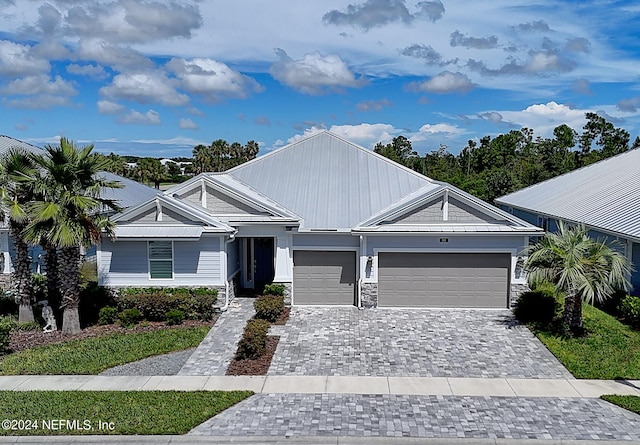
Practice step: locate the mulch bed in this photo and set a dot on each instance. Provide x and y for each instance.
(259, 366)
(21, 340)
(283, 317)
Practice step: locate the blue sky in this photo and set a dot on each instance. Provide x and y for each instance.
(155, 78)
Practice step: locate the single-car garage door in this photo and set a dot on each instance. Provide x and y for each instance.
(443, 279)
(324, 277)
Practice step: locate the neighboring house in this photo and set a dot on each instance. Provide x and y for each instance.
(333, 221)
(130, 195)
(604, 196)
(7, 143)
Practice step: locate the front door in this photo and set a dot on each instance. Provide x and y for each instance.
(258, 263)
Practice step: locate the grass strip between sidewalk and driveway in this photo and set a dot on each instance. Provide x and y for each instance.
(631, 403)
(94, 355)
(610, 350)
(110, 412)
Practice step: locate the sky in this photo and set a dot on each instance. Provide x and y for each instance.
(156, 77)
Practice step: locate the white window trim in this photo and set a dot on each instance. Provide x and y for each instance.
(149, 262)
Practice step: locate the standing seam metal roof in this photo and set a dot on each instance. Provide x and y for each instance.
(603, 195)
(330, 182)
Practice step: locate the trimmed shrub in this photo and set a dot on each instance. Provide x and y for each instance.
(174, 317)
(27, 326)
(200, 305)
(537, 306)
(269, 307)
(5, 332)
(253, 343)
(154, 303)
(129, 317)
(274, 289)
(630, 310)
(107, 315)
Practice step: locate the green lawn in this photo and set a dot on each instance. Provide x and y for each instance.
(110, 412)
(94, 355)
(632, 403)
(611, 349)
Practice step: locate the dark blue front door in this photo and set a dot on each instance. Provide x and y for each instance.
(264, 262)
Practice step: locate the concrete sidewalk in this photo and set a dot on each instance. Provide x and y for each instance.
(445, 386)
(255, 440)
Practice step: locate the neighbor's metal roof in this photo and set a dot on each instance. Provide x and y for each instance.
(131, 194)
(329, 182)
(603, 195)
(7, 143)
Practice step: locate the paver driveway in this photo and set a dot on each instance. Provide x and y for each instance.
(416, 342)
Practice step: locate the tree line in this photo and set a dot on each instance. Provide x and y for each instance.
(495, 166)
(219, 156)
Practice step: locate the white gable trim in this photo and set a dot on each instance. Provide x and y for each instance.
(160, 202)
(205, 180)
(446, 193)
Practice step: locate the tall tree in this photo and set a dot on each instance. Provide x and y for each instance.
(16, 170)
(66, 213)
(221, 156)
(580, 267)
(151, 170)
(610, 139)
(399, 150)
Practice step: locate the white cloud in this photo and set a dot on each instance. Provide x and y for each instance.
(187, 124)
(315, 73)
(149, 87)
(132, 21)
(39, 102)
(428, 131)
(108, 107)
(364, 134)
(18, 60)
(445, 82)
(94, 71)
(373, 105)
(114, 56)
(211, 79)
(39, 84)
(543, 118)
(151, 117)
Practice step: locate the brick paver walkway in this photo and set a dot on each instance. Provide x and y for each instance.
(213, 355)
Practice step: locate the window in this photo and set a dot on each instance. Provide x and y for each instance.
(160, 259)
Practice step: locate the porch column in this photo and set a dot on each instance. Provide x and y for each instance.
(283, 272)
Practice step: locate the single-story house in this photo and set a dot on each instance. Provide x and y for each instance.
(604, 196)
(336, 223)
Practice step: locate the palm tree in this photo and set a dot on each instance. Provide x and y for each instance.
(66, 214)
(16, 168)
(578, 266)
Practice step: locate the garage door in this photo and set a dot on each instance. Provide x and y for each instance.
(324, 277)
(443, 279)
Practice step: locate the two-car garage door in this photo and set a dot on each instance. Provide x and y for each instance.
(443, 279)
(405, 279)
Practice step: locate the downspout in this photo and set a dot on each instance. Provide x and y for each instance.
(360, 274)
(232, 238)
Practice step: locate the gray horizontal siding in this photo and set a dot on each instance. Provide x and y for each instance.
(195, 263)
